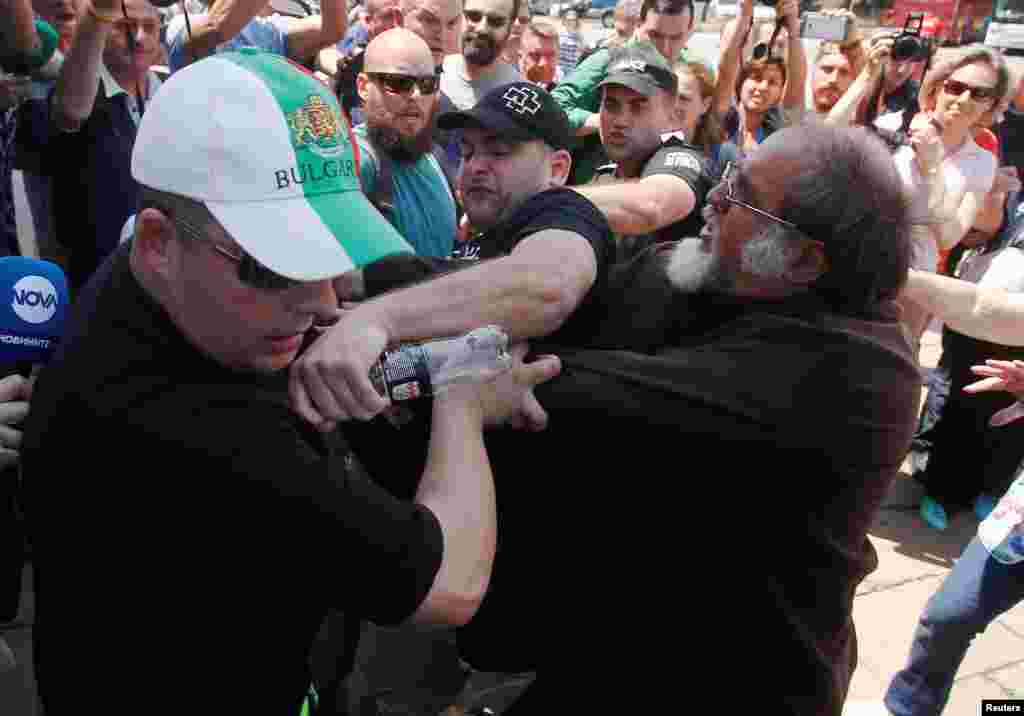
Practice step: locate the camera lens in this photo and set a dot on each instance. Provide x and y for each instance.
(906, 48)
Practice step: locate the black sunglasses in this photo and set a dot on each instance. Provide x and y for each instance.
(250, 271)
(493, 21)
(402, 84)
(978, 94)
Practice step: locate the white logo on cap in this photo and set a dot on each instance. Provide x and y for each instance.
(35, 299)
(522, 100)
(629, 66)
(683, 160)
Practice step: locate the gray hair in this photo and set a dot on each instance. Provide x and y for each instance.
(865, 232)
(544, 29)
(953, 60)
(769, 254)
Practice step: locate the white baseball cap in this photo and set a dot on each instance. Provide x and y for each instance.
(264, 145)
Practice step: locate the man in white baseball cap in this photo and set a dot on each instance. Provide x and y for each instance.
(215, 528)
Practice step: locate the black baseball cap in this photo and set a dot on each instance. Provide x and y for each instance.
(640, 67)
(521, 111)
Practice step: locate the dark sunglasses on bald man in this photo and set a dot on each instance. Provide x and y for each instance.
(395, 83)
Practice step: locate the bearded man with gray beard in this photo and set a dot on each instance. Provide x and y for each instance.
(400, 174)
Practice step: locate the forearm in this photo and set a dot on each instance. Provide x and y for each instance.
(796, 85)
(458, 487)
(334, 21)
(17, 28)
(308, 36)
(526, 296)
(842, 114)
(79, 76)
(956, 217)
(990, 218)
(640, 207)
(225, 19)
(327, 60)
(729, 67)
(990, 314)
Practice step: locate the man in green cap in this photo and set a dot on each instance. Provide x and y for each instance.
(665, 24)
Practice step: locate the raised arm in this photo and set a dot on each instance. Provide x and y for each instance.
(844, 111)
(308, 36)
(731, 58)
(796, 58)
(79, 75)
(17, 29)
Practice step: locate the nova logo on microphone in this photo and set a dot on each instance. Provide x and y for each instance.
(35, 299)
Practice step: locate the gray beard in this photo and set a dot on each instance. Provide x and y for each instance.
(692, 270)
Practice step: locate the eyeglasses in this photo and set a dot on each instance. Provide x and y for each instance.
(495, 22)
(250, 271)
(978, 94)
(394, 83)
(719, 200)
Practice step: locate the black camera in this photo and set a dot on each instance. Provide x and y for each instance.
(909, 45)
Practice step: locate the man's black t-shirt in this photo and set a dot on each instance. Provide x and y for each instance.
(557, 208)
(189, 531)
(676, 158)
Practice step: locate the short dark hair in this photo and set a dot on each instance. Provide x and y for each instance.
(757, 67)
(667, 7)
(866, 233)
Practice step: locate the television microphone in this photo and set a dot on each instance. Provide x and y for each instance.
(34, 302)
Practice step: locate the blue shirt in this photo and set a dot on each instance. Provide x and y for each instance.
(266, 33)
(424, 205)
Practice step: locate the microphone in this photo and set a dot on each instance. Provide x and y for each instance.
(34, 302)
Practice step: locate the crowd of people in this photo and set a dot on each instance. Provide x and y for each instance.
(728, 258)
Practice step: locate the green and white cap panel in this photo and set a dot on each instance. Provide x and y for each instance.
(265, 146)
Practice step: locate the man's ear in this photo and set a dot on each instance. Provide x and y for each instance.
(561, 163)
(810, 265)
(361, 86)
(152, 242)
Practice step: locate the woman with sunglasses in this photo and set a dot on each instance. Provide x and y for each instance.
(947, 177)
(751, 99)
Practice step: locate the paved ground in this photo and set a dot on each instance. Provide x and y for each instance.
(913, 561)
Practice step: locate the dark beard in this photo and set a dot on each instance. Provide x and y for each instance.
(479, 56)
(399, 148)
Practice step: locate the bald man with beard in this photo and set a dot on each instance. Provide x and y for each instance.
(399, 89)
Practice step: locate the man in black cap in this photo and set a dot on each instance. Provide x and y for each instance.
(551, 247)
(637, 105)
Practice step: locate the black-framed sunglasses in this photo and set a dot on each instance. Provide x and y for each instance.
(723, 195)
(250, 271)
(955, 88)
(402, 84)
(495, 22)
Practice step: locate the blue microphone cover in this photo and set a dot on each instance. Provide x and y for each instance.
(33, 306)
